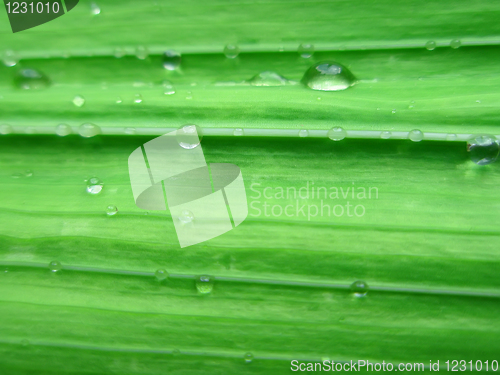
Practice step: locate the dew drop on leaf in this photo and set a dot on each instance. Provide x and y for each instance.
(161, 274)
(55, 266)
(483, 149)
(337, 133)
(328, 76)
(111, 210)
(415, 135)
(171, 60)
(359, 288)
(94, 186)
(88, 130)
(306, 50)
(79, 100)
(31, 79)
(268, 78)
(63, 130)
(231, 51)
(204, 284)
(189, 136)
(430, 45)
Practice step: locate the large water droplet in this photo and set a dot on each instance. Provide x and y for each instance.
(359, 288)
(111, 210)
(94, 186)
(161, 275)
(416, 135)
(9, 58)
(79, 101)
(231, 51)
(5, 129)
(63, 130)
(483, 149)
(238, 132)
(336, 133)
(268, 78)
(94, 9)
(168, 88)
(141, 53)
(88, 130)
(204, 284)
(189, 136)
(306, 50)
(303, 133)
(430, 45)
(55, 266)
(455, 43)
(31, 79)
(328, 76)
(171, 60)
(248, 357)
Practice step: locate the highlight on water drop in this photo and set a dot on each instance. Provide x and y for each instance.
(9, 58)
(328, 76)
(94, 185)
(483, 149)
(79, 101)
(204, 284)
(168, 88)
(138, 99)
(238, 132)
(94, 9)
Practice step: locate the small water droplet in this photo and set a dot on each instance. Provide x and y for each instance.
(412, 104)
(9, 58)
(478, 101)
(141, 53)
(268, 78)
(337, 133)
(328, 76)
(238, 132)
(186, 217)
(451, 137)
(130, 131)
(189, 136)
(359, 288)
(55, 266)
(171, 60)
(204, 284)
(415, 135)
(161, 274)
(79, 101)
(248, 357)
(393, 111)
(94, 186)
(430, 45)
(319, 98)
(168, 88)
(138, 98)
(119, 52)
(5, 129)
(483, 149)
(27, 173)
(119, 100)
(306, 50)
(88, 130)
(231, 51)
(385, 135)
(94, 9)
(111, 210)
(455, 43)
(303, 133)
(31, 79)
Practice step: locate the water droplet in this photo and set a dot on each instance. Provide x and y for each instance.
(416, 135)
(303, 133)
(359, 288)
(5, 129)
(483, 149)
(88, 130)
(9, 58)
(119, 100)
(430, 45)
(455, 43)
(31, 79)
(168, 88)
(55, 266)
(189, 136)
(111, 210)
(231, 51)
(385, 135)
(119, 52)
(204, 284)
(94, 186)
(171, 60)
(161, 274)
(186, 217)
(130, 131)
(94, 9)
(412, 104)
(28, 173)
(138, 98)
(337, 133)
(189, 96)
(268, 78)
(451, 137)
(306, 50)
(478, 101)
(25, 174)
(393, 111)
(79, 101)
(141, 53)
(328, 76)
(238, 132)
(248, 357)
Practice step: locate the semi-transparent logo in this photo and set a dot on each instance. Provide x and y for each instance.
(205, 201)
